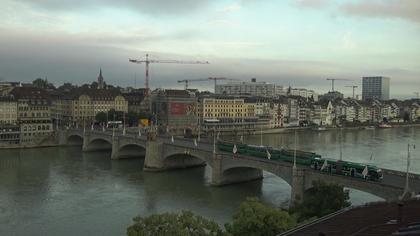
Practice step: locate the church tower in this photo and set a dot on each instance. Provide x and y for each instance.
(101, 83)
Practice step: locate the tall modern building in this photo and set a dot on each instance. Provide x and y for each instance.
(376, 87)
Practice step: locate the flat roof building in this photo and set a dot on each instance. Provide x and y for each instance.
(376, 87)
(253, 88)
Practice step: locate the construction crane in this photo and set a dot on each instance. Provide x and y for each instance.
(215, 79)
(333, 80)
(353, 87)
(186, 81)
(148, 61)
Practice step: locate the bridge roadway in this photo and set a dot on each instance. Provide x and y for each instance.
(161, 154)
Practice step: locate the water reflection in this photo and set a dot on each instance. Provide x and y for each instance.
(62, 191)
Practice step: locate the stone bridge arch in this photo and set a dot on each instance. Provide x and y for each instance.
(239, 170)
(131, 150)
(386, 192)
(96, 144)
(180, 157)
(74, 139)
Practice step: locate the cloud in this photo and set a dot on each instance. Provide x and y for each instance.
(408, 10)
(312, 3)
(348, 41)
(232, 8)
(403, 9)
(155, 7)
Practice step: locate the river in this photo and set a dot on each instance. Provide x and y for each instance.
(62, 191)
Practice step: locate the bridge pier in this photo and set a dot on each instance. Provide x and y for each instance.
(115, 154)
(61, 137)
(153, 160)
(159, 157)
(86, 140)
(298, 186)
(232, 176)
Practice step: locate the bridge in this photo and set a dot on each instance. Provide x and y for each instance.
(162, 154)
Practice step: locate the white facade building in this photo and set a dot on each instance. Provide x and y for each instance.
(306, 93)
(253, 88)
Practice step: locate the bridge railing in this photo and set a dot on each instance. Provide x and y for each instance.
(401, 173)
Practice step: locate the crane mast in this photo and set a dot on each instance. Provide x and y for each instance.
(215, 79)
(353, 87)
(187, 81)
(332, 83)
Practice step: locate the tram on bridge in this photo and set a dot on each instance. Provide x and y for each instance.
(310, 159)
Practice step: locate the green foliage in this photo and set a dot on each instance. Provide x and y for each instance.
(101, 117)
(94, 85)
(118, 115)
(254, 218)
(42, 83)
(406, 117)
(321, 200)
(172, 224)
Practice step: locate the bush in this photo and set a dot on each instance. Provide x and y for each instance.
(255, 218)
(172, 224)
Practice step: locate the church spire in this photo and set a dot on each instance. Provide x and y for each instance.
(101, 83)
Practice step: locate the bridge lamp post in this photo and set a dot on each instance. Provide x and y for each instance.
(113, 127)
(199, 129)
(294, 155)
(406, 189)
(214, 140)
(123, 123)
(84, 124)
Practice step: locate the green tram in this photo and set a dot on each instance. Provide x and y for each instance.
(310, 159)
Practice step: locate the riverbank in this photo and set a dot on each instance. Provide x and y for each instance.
(315, 129)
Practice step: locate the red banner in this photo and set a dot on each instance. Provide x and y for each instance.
(180, 109)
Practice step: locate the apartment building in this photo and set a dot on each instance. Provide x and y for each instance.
(34, 114)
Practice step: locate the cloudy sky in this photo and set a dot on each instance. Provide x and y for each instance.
(289, 42)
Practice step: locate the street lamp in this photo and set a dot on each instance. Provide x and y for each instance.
(214, 140)
(406, 189)
(294, 155)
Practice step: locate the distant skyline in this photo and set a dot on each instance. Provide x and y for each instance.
(292, 42)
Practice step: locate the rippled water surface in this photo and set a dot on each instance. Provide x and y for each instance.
(62, 191)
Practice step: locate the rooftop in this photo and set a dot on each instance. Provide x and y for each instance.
(373, 219)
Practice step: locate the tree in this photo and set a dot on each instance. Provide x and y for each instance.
(254, 218)
(322, 199)
(42, 83)
(101, 117)
(118, 115)
(94, 85)
(168, 224)
(66, 87)
(406, 117)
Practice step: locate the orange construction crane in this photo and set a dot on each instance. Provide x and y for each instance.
(147, 61)
(332, 83)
